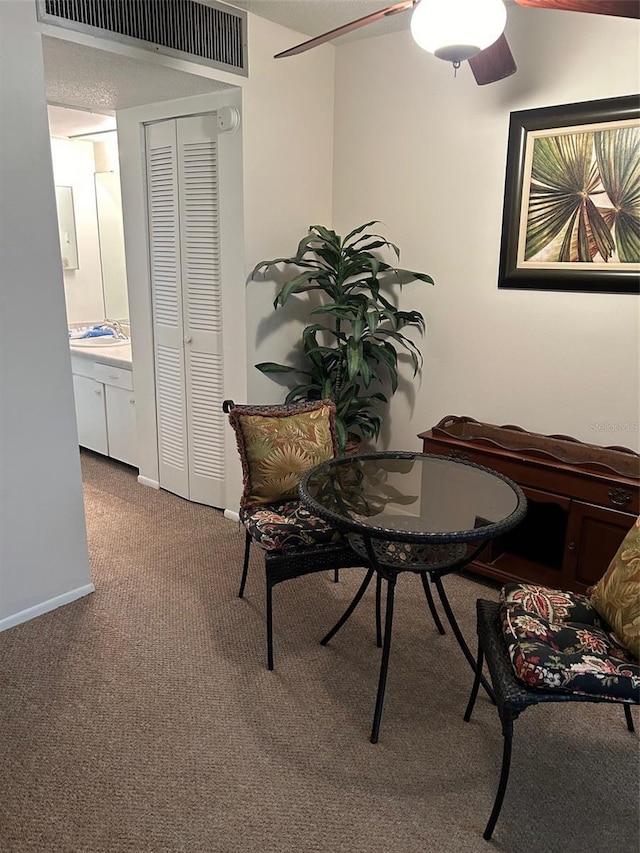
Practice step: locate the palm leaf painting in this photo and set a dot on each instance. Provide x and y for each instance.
(584, 197)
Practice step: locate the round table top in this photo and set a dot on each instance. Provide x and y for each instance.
(413, 497)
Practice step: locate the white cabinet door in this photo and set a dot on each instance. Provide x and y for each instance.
(121, 424)
(90, 414)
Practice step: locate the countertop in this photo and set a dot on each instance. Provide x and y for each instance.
(117, 355)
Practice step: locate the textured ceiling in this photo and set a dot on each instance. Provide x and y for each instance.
(314, 17)
(81, 76)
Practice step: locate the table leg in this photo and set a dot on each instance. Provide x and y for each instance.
(378, 611)
(424, 577)
(384, 665)
(458, 635)
(356, 600)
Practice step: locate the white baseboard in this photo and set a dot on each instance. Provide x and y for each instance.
(45, 606)
(145, 481)
(231, 515)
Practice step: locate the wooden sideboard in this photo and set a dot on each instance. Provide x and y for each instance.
(582, 500)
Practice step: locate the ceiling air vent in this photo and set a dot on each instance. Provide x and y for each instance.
(211, 33)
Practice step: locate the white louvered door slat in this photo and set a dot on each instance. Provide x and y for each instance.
(202, 306)
(164, 250)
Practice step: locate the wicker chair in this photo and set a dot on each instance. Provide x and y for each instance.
(567, 613)
(294, 541)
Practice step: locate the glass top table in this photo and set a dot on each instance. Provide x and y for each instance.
(414, 512)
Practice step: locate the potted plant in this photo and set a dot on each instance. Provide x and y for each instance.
(351, 354)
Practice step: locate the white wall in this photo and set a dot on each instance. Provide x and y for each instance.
(74, 166)
(288, 162)
(43, 547)
(426, 153)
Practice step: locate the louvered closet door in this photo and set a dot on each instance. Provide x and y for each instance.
(182, 161)
(202, 305)
(166, 287)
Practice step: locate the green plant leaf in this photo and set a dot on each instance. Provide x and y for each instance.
(341, 433)
(371, 319)
(354, 357)
(360, 229)
(273, 367)
(303, 281)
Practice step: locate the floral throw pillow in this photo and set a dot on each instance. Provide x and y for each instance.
(616, 596)
(278, 444)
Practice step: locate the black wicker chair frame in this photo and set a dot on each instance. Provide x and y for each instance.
(282, 566)
(286, 565)
(511, 695)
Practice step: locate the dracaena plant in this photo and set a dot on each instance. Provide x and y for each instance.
(351, 354)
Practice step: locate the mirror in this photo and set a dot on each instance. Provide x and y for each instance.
(111, 237)
(67, 228)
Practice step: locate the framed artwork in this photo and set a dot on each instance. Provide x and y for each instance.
(571, 218)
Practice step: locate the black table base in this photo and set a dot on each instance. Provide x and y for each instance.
(387, 560)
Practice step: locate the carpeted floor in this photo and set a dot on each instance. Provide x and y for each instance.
(142, 719)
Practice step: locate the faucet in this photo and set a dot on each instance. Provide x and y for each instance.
(117, 328)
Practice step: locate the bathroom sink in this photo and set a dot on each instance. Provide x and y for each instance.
(102, 341)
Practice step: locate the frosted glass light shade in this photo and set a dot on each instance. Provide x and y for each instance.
(457, 29)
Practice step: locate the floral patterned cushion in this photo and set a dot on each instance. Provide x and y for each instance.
(287, 527)
(616, 596)
(558, 641)
(278, 444)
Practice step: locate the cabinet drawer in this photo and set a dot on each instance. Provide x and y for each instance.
(82, 366)
(116, 376)
(615, 496)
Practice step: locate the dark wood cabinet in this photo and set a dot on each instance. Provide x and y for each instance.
(582, 500)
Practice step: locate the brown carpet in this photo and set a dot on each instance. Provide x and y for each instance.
(142, 719)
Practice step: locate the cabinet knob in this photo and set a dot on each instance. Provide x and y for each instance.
(132, 401)
(187, 339)
(98, 392)
(572, 546)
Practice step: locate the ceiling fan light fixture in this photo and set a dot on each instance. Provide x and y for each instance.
(455, 30)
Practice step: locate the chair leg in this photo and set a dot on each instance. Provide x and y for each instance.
(507, 732)
(269, 626)
(335, 576)
(245, 568)
(629, 718)
(476, 684)
(432, 605)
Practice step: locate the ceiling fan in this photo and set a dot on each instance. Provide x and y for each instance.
(455, 30)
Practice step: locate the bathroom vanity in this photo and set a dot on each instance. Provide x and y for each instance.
(105, 400)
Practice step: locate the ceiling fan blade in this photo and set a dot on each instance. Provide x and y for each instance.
(348, 28)
(493, 63)
(618, 8)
